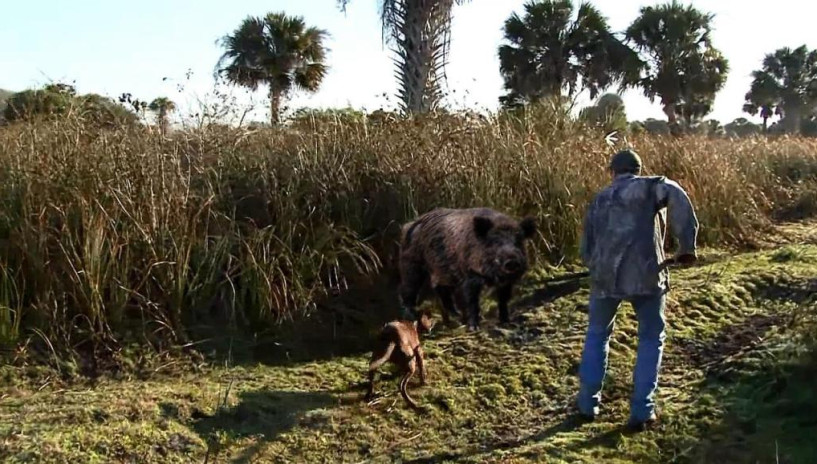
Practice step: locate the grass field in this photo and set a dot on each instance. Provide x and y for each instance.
(211, 295)
(737, 386)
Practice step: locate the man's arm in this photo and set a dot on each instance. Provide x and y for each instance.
(586, 245)
(683, 223)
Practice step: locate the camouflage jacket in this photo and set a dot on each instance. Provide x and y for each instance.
(624, 232)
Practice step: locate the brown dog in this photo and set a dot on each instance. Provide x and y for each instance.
(399, 343)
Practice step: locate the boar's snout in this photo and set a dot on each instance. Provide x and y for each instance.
(512, 266)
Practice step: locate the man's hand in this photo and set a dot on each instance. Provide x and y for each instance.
(686, 259)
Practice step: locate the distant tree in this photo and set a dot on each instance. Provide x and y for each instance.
(381, 116)
(60, 100)
(808, 126)
(760, 100)
(683, 69)
(137, 105)
(420, 31)
(608, 113)
(656, 127)
(51, 100)
(163, 106)
(692, 110)
(786, 85)
(277, 50)
(636, 127)
(312, 117)
(4, 95)
(104, 111)
(712, 128)
(742, 127)
(555, 49)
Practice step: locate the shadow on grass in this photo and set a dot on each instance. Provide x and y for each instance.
(765, 390)
(548, 294)
(770, 416)
(732, 341)
(568, 424)
(261, 414)
(343, 325)
(347, 325)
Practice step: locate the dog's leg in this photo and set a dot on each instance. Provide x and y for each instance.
(370, 388)
(379, 357)
(419, 354)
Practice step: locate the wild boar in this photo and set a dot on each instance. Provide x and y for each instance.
(462, 251)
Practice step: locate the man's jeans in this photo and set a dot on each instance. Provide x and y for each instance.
(650, 313)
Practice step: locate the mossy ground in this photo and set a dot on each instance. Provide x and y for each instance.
(737, 386)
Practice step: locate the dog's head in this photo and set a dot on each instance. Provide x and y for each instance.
(424, 321)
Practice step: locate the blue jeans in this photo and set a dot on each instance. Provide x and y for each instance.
(651, 325)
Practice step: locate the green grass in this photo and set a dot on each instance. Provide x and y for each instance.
(737, 386)
(125, 253)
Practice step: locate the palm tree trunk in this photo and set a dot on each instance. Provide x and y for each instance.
(669, 110)
(163, 123)
(420, 33)
(793, 117)
(275, 96)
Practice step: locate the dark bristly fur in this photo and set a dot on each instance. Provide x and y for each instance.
(399, 343)
(462, 251)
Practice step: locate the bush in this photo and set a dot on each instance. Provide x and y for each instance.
(61, 100)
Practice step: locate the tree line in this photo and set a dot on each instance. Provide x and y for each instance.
(554, 49)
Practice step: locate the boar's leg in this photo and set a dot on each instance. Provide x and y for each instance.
(411, 280)
(446, 295)
(459, 302)
(472, 287)
(503, 296)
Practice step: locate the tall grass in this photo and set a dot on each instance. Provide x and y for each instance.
(123, 235)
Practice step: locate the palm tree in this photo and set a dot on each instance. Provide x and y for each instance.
(163, 106)
(277, 50)
(786, 85)
(683, 68)
(758, 104)
(608, 113)
(419, 31)
(551, 51)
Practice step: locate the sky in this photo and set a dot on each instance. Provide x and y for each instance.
(169, 48)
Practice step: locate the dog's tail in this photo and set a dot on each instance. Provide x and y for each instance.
(376, 363)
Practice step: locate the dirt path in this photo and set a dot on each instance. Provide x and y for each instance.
(733, 389)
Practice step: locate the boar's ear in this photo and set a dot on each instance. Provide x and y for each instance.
(482, 225)
(528, 226)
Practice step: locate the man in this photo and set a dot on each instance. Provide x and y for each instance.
(623, 246)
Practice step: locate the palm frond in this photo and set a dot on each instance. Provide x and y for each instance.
(277, 50)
